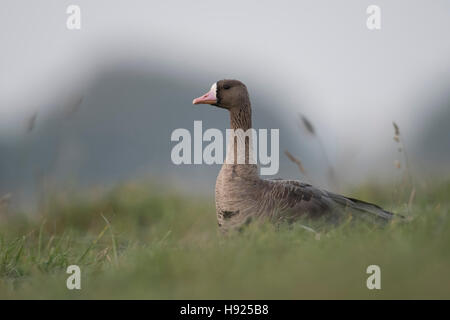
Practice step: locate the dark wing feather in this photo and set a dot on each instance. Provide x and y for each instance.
(362, 206)
(294, 199)
(302, 198)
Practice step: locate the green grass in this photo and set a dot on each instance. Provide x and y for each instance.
(137, 242)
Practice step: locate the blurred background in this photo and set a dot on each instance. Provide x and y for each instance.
(97, 106)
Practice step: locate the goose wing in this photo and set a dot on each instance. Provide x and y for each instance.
(299, 199)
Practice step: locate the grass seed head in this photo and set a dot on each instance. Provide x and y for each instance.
(307, 124)
(396, 129)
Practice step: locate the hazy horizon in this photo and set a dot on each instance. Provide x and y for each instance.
(314, 58)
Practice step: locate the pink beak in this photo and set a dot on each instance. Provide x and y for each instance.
(207, 98)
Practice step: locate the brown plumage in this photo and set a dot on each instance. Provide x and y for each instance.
(242, 196)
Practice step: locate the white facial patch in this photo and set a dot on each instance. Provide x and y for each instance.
(214, 90)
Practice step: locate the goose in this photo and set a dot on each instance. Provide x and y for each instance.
(242, 196)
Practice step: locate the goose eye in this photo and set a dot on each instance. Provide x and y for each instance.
(226, 86)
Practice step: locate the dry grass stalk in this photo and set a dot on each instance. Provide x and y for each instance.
(307, 124)
(298, 163)
(411, 199)
(407, 169)
(31, 122)
(396, 129)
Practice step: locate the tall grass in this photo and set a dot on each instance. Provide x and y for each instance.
(138, 242)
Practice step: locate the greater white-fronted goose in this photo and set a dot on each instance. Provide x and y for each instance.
(242, 196)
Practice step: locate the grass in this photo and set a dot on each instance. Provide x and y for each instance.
(137, 242)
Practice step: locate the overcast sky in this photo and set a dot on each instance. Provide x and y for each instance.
(317, 56)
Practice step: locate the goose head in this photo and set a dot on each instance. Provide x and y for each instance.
(227, 94)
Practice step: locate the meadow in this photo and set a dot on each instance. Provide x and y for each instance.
(140, 242)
